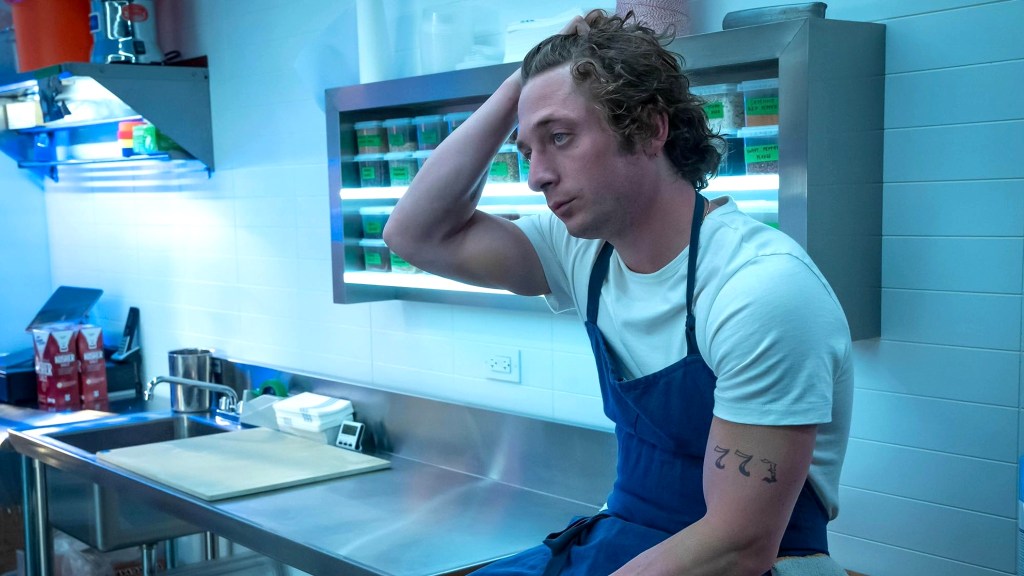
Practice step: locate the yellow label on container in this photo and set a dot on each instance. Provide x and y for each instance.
(768, 106)
(372, 227)
(714, 110)
(429, 137)
(396, 139)
(373, 259)
(368, 173)
(763, 153)
(398, 264)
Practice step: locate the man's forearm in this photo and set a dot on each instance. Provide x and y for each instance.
(444, 193)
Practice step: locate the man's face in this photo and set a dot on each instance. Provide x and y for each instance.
(575, 159)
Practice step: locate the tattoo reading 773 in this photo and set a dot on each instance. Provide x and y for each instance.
(745, 460)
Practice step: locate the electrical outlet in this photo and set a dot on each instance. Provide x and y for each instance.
(500, 363)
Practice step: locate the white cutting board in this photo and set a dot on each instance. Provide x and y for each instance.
(240, 462)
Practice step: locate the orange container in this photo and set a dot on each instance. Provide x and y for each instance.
(49, 32)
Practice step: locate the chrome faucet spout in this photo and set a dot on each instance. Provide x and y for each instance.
(219, 388)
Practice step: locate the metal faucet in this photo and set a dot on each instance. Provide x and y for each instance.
(219, 388)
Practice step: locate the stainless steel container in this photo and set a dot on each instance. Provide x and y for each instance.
(194, 364)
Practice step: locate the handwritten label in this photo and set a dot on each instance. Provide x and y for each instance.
(768, 106)
(714, 110)
(763, 153)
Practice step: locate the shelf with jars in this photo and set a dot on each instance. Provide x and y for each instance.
(798, 102)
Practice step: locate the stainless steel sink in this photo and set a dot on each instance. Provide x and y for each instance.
(105, 518)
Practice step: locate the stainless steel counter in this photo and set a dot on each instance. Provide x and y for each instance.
(493, 485)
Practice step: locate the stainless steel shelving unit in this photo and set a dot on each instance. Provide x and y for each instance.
(831, 103)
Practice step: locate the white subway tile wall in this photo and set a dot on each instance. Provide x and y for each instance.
(241, 262)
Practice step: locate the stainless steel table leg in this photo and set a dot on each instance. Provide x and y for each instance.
(210, 546)
(171, 553)
(148, 559)
(38, 544)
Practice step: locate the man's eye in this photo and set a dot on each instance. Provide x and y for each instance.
(559, 138)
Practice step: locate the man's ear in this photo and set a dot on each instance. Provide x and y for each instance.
(659, 133)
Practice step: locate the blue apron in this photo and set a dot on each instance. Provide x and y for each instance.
(662, 422)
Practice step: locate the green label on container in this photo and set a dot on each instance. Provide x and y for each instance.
(499, 171)
(714, 110)
(372, 227)
(396, 139)
(763, 153)
(430, 137)
(368, 173)
(397, 263)
(400, 175)
(768, 106)
(368, 141)
(373, 260)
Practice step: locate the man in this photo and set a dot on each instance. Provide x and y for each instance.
(723, 355)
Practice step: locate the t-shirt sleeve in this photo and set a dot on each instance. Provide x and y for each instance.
(540, 230)
(775, 337)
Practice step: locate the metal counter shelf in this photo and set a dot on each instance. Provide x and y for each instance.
(412, 519)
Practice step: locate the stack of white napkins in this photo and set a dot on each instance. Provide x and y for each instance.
(521, 36)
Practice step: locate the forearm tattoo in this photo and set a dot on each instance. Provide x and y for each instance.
(769, 467)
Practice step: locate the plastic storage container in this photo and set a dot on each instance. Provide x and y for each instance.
(402, 167)
(312, 416)
(505, 166)
(376, 255)
(455, 119)
(401, 135)
(760, 149)
(723, 104)
(761, 102)
(373, 170)
(421, 157)
(398, 264)
(430, 130)
(524, 168)
(732, 163)
(371, 138)
(374, 218)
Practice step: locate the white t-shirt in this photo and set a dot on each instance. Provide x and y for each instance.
(767, 323)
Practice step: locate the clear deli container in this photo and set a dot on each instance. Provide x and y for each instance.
(371, 138)
(373, 170)
(376, 255)
(430, 130)
(374, 218)
(505, 166)
(760, 149)
(421, 157)
(732, 163)
(524, 168)
(402, 167)
(313, 416)
(401, 135)
(399, 265)
(455, 119)
(723, 104)
(761, 102)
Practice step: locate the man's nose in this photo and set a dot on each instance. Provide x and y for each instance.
(541, 176)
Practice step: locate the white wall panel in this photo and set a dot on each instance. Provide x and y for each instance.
(879, 559)
(990, 92)
(972, 208)
(941, 425)
(952, 373)
(952, 318)
(958, 37)
(960, 535)
(958, 152)
(873, 466)
(992, 265)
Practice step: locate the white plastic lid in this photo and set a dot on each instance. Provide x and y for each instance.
(368, 157)
(456, 116)
(375, 210)
(713, 89)
(367, 124)
(421, 154)
(766, 84)
(506, 148)
(398, 156)
(396, 122)
(372, 243)
(310, 408)
(431, 118)
(758, 132)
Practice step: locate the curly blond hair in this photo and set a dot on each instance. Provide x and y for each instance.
(626, 70)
